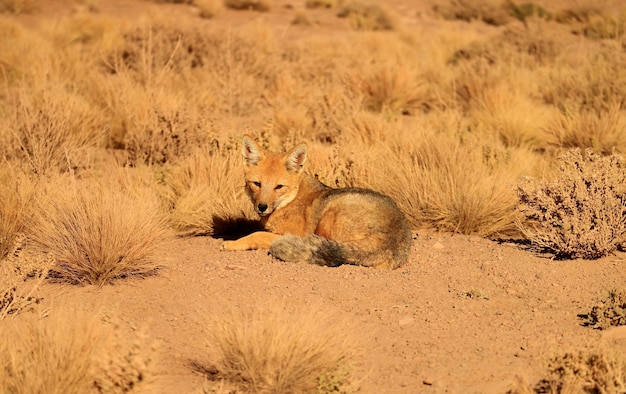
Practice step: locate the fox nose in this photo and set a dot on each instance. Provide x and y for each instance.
(262, 207)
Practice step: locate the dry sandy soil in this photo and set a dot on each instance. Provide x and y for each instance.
(465, 315)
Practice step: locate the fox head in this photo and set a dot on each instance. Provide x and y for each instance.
(272, 179)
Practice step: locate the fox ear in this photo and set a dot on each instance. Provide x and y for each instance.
(252, 153)
(296, 158)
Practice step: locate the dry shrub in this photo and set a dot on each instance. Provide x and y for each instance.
(98, 233)
(596, 20)
(580, 213)
(368, 16)
(19, 6)
(72, 352)
(451, 185)
(320, 3)
(603, 132)
(593, 81)
(205, 188)
(489, 11)
(512, 117)
(209, 8)
(598, 370)
(163, 129)
(16, 197)
(608, 313)
(54, 130)
(253, 5)
(392, 87)
(20, 278)
(276, 349)
(23, 52)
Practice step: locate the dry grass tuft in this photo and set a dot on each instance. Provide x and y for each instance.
(20, 278)
(608, 313)
(603, 132)
(54, 131)
(72, 352)
(98, 233)
(16, 198)
(452, 186)
(279, 350)
(19, 6)
(253, 5)
(368, 16)
(581, 213)
(597, 370)
(204, 188)
(320, 3)
(491, 12)
(209, 8)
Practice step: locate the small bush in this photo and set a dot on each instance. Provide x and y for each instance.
(580, 214)
(253, 5)
(98, 234)
(487, 11)
(589, 371)
(278, 350)
(19, 6)
(203, 188)
(320, 3)
(20, 278)
(54, 131)
(368, 16)
(610, 312)
(72, 352)
(16, 198)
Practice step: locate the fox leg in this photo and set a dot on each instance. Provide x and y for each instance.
(258, 240)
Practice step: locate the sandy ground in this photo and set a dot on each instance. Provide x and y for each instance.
(465, 315)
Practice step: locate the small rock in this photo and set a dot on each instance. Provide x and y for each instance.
(406, 321)
(235, 267)
(438, 245)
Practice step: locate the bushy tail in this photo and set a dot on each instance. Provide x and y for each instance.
(322, 251)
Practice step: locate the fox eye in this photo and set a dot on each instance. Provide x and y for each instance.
(278, 187)
(257, 184)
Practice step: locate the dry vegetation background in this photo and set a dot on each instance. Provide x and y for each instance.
(118, 134)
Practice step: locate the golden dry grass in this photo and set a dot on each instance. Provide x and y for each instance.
(72, 352)
(275, 349)
(600, 369)
(98, 233)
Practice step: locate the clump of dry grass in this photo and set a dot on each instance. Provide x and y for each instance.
(279, 350)
(392, 87)
(54, 130)
(597, 370)
(608, 313)
(16, 197)
(20, 278)
(98, 233)
(489, 11)
(368, 16)
(605, 20)
(209, 8)
(581, 213)
(320, 3)
(19, 6)
(72, 352)
(253, 5)
(604, 132)
(206, 188)
(452, 186)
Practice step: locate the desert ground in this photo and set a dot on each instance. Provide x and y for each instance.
(476, 309)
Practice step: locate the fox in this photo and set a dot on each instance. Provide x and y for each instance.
(305, 220)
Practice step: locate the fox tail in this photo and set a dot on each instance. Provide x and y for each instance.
(326, 252)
